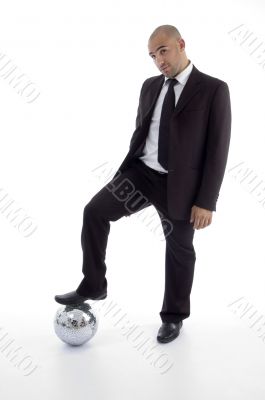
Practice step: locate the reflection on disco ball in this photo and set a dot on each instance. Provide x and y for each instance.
(75, 324)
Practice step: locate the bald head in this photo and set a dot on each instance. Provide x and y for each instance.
(169, 31)
(167, 49)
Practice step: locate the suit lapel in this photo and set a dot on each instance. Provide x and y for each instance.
(191, 87)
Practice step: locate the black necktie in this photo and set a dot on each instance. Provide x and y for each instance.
(166, 113)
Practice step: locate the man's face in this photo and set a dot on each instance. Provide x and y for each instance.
(167, 53)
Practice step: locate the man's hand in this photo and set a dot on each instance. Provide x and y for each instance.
(201, 217)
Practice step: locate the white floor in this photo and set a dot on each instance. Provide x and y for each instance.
(216, 356)
(219, 354)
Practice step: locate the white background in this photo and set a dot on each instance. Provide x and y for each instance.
(88, 60)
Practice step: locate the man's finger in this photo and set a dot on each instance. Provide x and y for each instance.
(200, 222)
(192, 215)
(197, 222)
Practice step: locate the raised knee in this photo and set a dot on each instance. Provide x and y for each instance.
(90, 210)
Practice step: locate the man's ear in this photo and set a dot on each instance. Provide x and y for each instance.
(181, 44)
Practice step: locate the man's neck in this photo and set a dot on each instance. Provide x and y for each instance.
(185, 66)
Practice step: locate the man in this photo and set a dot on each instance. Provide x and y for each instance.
(176, 162)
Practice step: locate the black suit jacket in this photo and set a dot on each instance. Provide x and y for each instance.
(199, 140)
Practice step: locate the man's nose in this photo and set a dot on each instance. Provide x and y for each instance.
(160, 62)
(161, 65)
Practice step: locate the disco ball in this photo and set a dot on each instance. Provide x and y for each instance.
(75, 324)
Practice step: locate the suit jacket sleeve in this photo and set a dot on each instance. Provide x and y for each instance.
(217, 146)
(138, 119)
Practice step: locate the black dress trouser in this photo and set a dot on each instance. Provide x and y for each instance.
(142, 184)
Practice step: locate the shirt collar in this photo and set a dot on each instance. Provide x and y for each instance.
(183, 76)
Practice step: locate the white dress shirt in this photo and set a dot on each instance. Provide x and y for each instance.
(150, 151)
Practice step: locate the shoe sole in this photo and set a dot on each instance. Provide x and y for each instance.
(69, 303)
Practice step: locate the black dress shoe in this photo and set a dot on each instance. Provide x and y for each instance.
(168, 331)
(75, 298)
